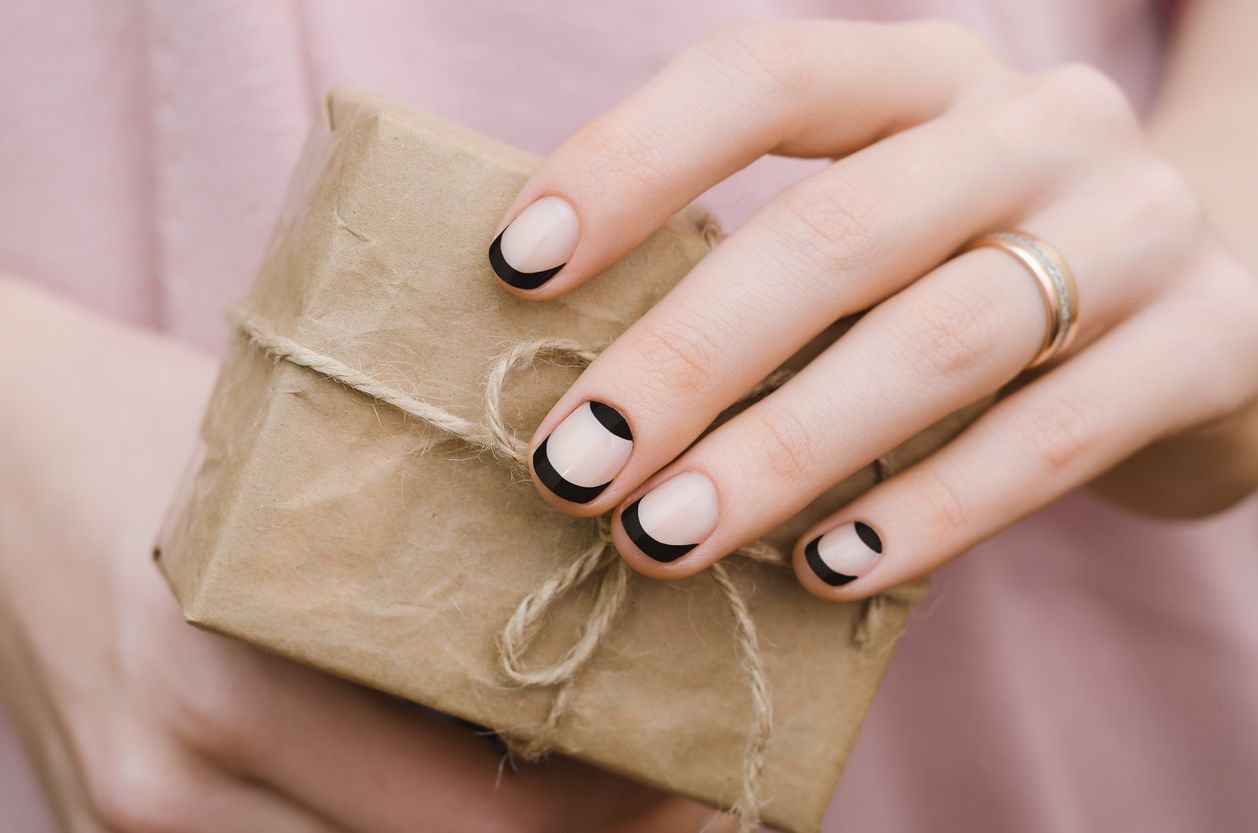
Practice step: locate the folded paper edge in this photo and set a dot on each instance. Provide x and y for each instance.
(340, 109)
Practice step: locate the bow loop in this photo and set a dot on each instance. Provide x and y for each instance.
(598, 559)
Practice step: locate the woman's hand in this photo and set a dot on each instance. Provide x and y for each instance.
(937, 143)
(138, 722)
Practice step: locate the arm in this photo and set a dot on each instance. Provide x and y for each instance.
(136, 721)
(1204, 122)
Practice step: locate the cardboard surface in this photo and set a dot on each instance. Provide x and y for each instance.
(335, 530)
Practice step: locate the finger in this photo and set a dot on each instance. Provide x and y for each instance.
(833, 244)
(954, 336)
(800, 88)
(253, 808)
(675, 815)
(158, 787)
(593, 795)
(1142, 381)
(375, 764)
(250, 808)
(370, 763)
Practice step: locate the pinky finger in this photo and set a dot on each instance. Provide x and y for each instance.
(1142, 381)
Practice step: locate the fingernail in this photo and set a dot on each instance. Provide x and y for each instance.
(578, 460)
(673, 518)
(843, 554)
(536, 244)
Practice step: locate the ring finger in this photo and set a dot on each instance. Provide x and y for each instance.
(954, 336)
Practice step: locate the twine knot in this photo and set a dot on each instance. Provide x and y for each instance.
(597, 560)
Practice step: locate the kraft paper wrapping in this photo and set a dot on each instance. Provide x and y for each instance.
(331, 528)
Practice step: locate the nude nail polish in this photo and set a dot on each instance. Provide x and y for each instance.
(578, 460)
(843, 554)
(536, 244)
(674, 517)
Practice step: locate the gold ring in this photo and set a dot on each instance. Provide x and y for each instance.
(1057, 286)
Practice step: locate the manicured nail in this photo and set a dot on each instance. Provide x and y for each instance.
(673, 518)
(536, 244)
(842, 554)
(578, 460)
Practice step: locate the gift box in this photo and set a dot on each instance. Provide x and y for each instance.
(359, 500)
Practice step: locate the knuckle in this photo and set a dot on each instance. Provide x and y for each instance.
(1067, 107)
(786, 446)
(679, 356)
(949, 331)
(1165, 201)
(1054, 434)
(832, 225)
(942, 511)
(1236, 290)
(1223, 299)
(1147, 198)
(137, 791)
(209, 714)
(1078, 95)
(608, 153)
(760, 54)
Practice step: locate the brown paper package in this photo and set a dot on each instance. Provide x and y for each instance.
(327, 526)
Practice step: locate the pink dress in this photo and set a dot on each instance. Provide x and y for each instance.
(1085, 670)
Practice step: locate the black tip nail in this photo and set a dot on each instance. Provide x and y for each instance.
(868, 536)
(855, 546)
(520, 280)
(823, 571)
(555, 481)
(611, 419)
(643, 541)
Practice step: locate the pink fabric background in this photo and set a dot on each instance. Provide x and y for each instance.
(1085, 670)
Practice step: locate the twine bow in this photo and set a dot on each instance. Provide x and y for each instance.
(597, 559)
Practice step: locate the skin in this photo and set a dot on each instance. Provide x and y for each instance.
(136, 722)
(939, 142)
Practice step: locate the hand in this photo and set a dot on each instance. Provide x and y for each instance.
(937, 143)
(138, 722)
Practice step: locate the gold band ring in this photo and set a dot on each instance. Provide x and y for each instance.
(1057, 286)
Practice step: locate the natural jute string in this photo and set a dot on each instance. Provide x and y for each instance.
(598, 558)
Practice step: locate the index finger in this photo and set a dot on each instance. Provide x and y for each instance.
(804, 88)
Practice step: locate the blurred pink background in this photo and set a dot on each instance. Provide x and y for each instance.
(1085, 670)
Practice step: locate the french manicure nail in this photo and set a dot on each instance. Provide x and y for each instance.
(843, 554)
(673, 518)
(536, 244)
(578, 460)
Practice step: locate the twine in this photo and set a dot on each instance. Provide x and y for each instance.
(599, 558)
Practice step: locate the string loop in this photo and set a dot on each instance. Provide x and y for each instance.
(597, 559)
